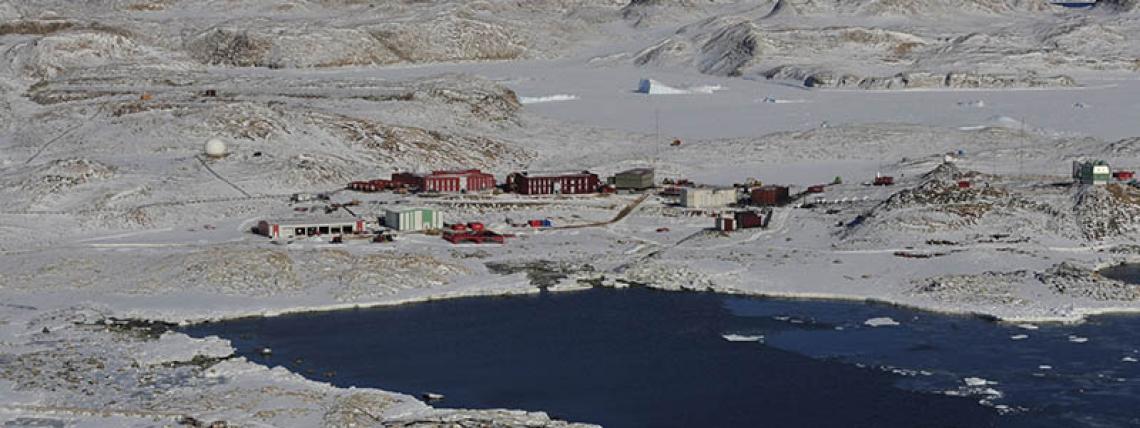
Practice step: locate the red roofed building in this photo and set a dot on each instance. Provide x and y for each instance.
(471, 180)
(573, 183)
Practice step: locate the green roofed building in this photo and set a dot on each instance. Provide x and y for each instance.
(1092, 172)
(413, 219)
(634, 179)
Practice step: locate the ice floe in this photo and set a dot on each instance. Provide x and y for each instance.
(881, 322)
(742, 337)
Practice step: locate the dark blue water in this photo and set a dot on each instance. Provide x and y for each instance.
(644, 358)
(1128, 272)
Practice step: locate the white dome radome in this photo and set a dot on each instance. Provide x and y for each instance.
(215, 148)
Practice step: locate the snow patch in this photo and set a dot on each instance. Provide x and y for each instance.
(1019, 337)
(653, 87)
(547, 99)
(177, 347)
(1077, 339)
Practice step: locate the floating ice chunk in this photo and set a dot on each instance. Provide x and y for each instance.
(1128, 359)
(742, 337)
(1019, 337)
(1027, 326)
(977, 381)
(993, 393)
(1045, 367)
(881, 322)
(1077, 339)
(548, 99)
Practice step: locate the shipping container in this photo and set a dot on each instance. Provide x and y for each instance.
(771, 195)
(749, 219)
(725, 224)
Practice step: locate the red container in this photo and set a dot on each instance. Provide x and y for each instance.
(748, 220)
(475, 227)
(770, 195)
(963, 184)
(725, 224)
(884, 180)
(1123, 175)
(458, 227)
(818, 188)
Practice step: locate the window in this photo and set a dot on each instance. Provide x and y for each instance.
(346, 229)
(311, 231)
(300, 231)
(324, 230)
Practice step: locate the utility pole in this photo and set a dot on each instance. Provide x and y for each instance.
(1021, 150)
(657, 137)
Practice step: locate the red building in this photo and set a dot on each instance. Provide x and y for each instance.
(548, 184)
(407, 180)
(471, 180)
(370, 186)
(770, 195)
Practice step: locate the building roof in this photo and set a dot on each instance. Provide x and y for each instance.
(547, 174)
(407, 209)
(637, 171)
(312, 220)
(458, 172)
(708, 188)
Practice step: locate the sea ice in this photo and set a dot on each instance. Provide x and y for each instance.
(1077, 339)
(977, 381)
(881, 322)
(742, 338)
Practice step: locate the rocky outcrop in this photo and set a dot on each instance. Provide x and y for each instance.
(447, 38)
(986, 288)
(51, 55)
(1070, 279)
(1104, 212)
(916, 80)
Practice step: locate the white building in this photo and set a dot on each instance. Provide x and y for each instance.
(413, 219)
(288, 230)
(707, 197)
